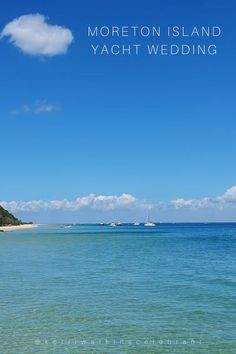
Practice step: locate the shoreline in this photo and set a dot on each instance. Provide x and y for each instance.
(17, 227)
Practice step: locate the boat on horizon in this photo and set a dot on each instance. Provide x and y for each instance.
(149, 223)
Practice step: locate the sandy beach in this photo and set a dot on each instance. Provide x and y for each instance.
(17, 227)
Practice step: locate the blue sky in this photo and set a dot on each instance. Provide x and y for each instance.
(157, 128)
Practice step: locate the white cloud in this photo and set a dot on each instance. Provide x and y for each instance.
(37, 108)
(99, 202)
(180, 203)
(227, 200)
(229, 196)
(124, 202)
(33, 35)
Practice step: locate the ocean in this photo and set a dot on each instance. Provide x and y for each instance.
(129, 289)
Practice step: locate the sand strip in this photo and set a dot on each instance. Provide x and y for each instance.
(17, 227)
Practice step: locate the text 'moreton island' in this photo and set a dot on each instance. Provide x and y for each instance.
(184, 40)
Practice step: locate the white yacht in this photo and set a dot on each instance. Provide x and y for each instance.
(149, 223)
(113, 224)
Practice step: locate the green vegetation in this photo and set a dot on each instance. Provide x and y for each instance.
(7, 218)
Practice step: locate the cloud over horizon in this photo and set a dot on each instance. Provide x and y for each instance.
(226, 200)
(34, 36)
(124, 201)
(96, 202)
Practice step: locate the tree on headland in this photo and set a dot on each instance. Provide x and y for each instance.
(7, 218)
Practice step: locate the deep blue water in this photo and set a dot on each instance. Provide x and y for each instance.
(97, 289)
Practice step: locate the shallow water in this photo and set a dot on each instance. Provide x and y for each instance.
(97, 289)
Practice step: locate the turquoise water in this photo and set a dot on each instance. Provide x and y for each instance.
(93, 289)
